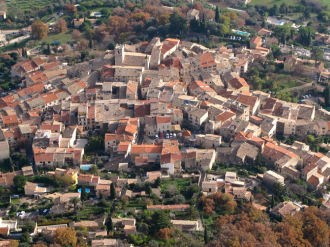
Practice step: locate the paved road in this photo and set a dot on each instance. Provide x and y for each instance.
(81, 143)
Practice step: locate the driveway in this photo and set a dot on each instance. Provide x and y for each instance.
(81, 143)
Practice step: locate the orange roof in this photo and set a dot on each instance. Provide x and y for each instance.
(186, 133)
(12, 132)
(243, 136)
(237, 83)
(81, 84)
(123, 146)
(10, 120)
(164, 207)
(161, 119)
(276, 152)
(23, 92)
(247, 100)
(44, 157)
(207, 60)
(140, 149)
(225, 116)
(141, 160)
(37, 87)
(168, 45)
(256, 40)
(48, 97)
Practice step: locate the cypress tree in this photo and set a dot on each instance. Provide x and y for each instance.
(48, 49)
(90, 43)
(109, 225)
(327, 95)
(309, 39)
(272, 202)
(205, 235)
(113, 193)
(283, 39)
(217, 17)
(286, 11)
(83, 195)
(198, 39)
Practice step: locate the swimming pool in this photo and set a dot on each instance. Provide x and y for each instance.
(85, 167)
(97, 14)
(40, 185)
(86, 189)
(281, 22)
(241, 32)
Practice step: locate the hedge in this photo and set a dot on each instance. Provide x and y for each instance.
(55, 222)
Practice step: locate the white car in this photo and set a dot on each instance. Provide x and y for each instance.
(156, 136)
(167, 136)
(171, 135)
(174, 135)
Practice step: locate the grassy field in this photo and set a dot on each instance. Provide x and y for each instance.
(181, 183)
(26, 4)
(60, 37)
(287, 2)
(16, 201)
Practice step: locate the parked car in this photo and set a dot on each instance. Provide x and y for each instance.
(171, 135)
(156, 136)
(174, 135)
(161, 136)
(167, 136)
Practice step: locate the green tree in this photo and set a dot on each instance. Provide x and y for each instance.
(48, 50)
(83, 55)
(192, 212)
(272, 204)
(310, 139)
(25, 238)
(74, 201)
(326, 93)
(28, 227)
(323, 28)
(217, 16)
(199, 40)
(93, 170)
(23, 161)
(278, 190)
(259, 161)
(316, 54)
(160, 220)
(178, 24)
(157, 182)
(149, 190)
(90, 43)
(283, 38)
(83, 194)
(113, 193)
(20, 181)
(276, 51)
(111, 46)
(109, 224)
(205, 235)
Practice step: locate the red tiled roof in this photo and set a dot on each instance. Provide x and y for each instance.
(207, 60)
(167, 45)
(256, 40)
(225, 116)
(139, 149)
(9, 120)
(237, 83)
(48, 97)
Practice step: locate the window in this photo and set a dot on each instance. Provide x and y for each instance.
(163, 127)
